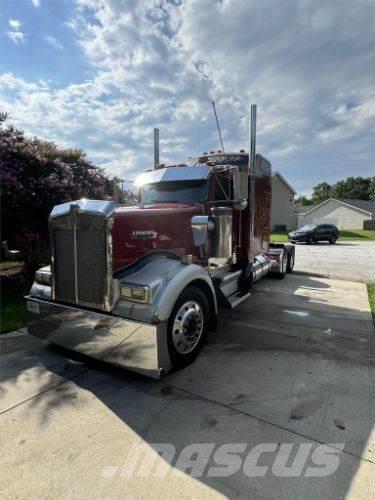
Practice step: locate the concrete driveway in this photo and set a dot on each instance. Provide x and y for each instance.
(350, 260)
(289, 371)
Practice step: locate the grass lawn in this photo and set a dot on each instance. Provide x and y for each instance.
(371, 299)
(354, 234)
(13, 288)
(279, 237)
(13, 308)
(357, 234)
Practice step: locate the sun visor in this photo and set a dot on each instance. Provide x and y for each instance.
(174, 174)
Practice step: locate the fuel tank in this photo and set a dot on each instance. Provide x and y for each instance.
(143, 229)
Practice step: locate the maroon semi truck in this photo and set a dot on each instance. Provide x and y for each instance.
(141, 286)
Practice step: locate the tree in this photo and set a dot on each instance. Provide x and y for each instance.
(35, 175)
(321, 193)
(356, 188)
(372, 189)
(302, 200)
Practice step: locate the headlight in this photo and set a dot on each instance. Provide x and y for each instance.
(137, 293)
(43, 276)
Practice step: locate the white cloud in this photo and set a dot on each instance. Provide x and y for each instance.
(308, 65)
(15, 24)
(54, 42)
(16, 35)
(36, 3)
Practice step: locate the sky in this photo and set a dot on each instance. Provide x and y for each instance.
(101, 74)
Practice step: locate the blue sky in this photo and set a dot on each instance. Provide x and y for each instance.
(101, 74)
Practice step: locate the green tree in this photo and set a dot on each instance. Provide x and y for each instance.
(372, 189)
(321, 193)
(352, 188)
(302, 200)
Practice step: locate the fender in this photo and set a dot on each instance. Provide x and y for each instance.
(167, 277)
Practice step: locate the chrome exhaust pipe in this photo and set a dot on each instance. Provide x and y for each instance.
(156, 148)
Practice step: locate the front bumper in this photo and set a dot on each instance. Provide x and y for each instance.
(297, 238)
(139, 347)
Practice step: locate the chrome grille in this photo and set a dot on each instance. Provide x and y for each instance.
(91, 266)
(64, 265)
(82, 258)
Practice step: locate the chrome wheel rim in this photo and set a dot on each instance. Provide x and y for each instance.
(187, 327)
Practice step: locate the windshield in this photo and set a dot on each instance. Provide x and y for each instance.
(308, 227)
(174, 192)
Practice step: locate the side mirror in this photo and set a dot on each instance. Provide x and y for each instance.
(201, 225)
(240, 189)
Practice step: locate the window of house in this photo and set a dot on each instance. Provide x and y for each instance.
(291, 198)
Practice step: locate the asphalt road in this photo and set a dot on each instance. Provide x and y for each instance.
(350, 260)
(290, 370)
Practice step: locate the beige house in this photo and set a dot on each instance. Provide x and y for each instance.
(345, 214)
(283, 210)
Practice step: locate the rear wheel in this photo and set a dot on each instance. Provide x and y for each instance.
(291, 260)
(333, 239)
(283, 265)
(188, 326)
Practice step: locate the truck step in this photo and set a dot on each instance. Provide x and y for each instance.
(237, 298)
(224, 278)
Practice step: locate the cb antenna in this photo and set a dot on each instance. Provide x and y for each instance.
(218, 127)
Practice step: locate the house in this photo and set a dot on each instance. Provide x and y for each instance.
(345, 214)
(283, 214)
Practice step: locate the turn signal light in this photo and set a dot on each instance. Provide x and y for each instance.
(43, 276)
(136, 293)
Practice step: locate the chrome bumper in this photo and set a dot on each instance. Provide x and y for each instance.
(136, 346)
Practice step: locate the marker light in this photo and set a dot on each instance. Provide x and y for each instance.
(136, 293)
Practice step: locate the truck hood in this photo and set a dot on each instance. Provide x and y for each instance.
(143, 229)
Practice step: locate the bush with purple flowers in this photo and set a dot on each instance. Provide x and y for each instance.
(35, 175)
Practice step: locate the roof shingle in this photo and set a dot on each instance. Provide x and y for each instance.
(367, 205)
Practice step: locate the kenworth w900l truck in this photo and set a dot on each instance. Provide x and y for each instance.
(141, 286)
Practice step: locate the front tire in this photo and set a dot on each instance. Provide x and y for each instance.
(188, 326)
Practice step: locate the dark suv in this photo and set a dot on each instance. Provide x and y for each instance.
(312, 233)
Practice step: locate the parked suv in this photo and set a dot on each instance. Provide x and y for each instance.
(312, 233)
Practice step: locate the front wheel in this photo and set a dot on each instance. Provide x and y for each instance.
(188, 326)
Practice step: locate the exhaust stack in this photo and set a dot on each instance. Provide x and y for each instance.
(252, 158)
(156, 148)
(252, 137)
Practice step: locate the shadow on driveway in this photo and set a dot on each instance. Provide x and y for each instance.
(287, 367)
